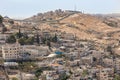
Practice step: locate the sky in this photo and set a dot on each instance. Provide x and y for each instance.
(27, 8)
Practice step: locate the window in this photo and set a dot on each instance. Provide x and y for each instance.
(6, 51)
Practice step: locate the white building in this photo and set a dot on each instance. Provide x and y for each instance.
(3, 38)
(117, 64)
(108, 62)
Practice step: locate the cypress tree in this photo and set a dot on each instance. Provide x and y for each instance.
(38, 39)
(1, 19)
(55, 38)
(19, 33)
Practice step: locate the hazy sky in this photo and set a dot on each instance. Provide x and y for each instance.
(26, 8)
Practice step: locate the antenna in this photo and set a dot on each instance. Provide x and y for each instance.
(75, 7)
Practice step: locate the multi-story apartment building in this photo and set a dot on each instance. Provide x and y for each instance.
(11, 51)
(18, 52)
(106, 74)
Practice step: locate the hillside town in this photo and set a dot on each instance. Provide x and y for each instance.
(30, 50)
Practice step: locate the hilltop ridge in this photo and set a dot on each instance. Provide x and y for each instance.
(87, 25)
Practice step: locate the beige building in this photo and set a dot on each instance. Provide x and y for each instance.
(11, 51)
(108, 62)
(106, 74)
(16, 51)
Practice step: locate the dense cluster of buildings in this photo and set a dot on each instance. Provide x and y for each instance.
(66, 59)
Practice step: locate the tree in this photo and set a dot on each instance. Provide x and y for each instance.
(117, 77)
(35, 78)
(64, 76)
(38, 72)
(30, 41)
(28, 66)
(25, 36)
(24, 41)
(1, 19)
(43, 39)
(109, 49)
(37, 39)
(11, 21)
(21, 41)
(41, 69)
(11, 39)
(14, 78)
(19, 33)
(94, 59)
(4, 29)
(48, 43)
(55, 38)
(85, 72)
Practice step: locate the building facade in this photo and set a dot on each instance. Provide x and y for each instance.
(11, 51)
